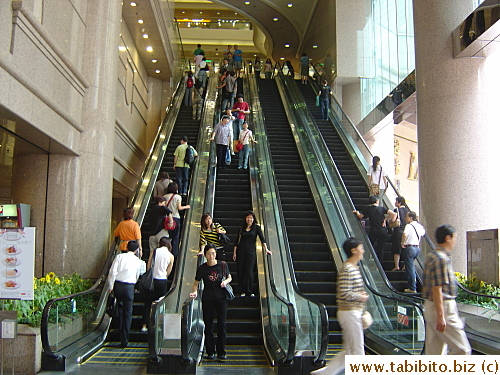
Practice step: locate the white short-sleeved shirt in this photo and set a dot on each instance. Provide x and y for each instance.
(376, 176)
(247, 138)
(411, 231)
(162, 261)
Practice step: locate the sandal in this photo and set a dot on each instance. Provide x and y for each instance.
(395, 269)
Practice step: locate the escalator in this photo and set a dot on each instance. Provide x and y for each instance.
(312, 262)
(354, 181)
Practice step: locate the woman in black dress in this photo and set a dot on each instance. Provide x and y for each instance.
(214, 300)
(244, 252)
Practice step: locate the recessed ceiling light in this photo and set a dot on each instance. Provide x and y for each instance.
(290, 5)
(133, 4)
(218, 12)
(157, 71)
(154, 61)
(149, 49)
(140, 21)
(201, 12)
(315, 46)
(282, 58)
(183, 12)
(145, 36)
(255, 55)
(247, 2)
(287, 45)
(275, 19)
(122, 48)
(235, 13)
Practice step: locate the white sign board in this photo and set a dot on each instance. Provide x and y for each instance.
(172, 326)
(17, 263)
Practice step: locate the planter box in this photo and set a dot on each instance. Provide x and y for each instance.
(481, 319)
(25, 351)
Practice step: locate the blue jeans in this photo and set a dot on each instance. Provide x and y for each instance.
(409, 255)
(243, 157)
(188, 96)
(228, 98)
(182, 179)
(325, 103)
(237, 127)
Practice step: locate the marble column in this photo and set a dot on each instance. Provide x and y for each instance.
(458, 128)
(79, 199)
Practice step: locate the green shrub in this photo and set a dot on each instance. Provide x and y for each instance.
(475, 285)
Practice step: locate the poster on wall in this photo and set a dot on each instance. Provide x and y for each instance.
(17, 263)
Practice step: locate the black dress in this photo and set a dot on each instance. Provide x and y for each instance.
(245, 256)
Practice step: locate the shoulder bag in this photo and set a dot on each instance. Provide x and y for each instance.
(239, 146)
(228, 290)
(146, 282)
(169, 224)
(396, 223)
(366, 319)
(375, 188)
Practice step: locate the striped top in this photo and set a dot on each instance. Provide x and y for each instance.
(349, 288)
(210, 236)
(439, 272)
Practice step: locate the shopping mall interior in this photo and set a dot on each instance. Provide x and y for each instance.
(92, 108)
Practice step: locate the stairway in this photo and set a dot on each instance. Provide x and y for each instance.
(314, 269)
(353, 180)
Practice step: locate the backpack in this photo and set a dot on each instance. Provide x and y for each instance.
(189, 82)
(189, 158)
(198, 85)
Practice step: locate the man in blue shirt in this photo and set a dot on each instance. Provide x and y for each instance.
(238, 60)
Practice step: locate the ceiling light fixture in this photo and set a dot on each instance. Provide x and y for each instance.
(154, 61)
(145, 36)
(133, 4)
(287, 45)
(282, 58)
(149, 49)
(290, 5)
(247, 2)
(122, 48)
(140, 21)
(275, 19)
(157, 71)
(315, 46)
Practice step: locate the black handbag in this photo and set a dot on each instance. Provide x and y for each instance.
(145, 283)
(111, 305)
(228, 290)
(224, 239)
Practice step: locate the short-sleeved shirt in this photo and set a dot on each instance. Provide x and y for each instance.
(173, 203)
(414, 232)
(325, 92)
(211, 236)
(237, 55)
(376, 177)
(222, 133)
(244, 106)
(376, 214)
(304, 61)
(401, 212)
(198, 51)
(163, 257)
(127, 230)
(245, 136)
(438, 271)
(180, 152)
(212, 277)
(231, 84)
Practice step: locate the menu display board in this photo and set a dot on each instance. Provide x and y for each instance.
(17, 263)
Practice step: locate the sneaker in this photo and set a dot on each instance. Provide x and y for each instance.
(210, 356)
(410, 291)
(242, 295)
(222, 357)
(144, 329)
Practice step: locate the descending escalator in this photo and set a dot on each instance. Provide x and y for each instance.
(311, 256)
(353, 180)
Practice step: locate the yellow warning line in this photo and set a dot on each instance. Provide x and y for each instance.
(116, 362)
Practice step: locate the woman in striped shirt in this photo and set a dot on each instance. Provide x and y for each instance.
(209, 232)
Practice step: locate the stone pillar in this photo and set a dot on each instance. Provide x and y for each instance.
(458, 130)
(80, 187)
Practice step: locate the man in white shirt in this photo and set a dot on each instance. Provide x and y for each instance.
(410, 243)
(123, 275)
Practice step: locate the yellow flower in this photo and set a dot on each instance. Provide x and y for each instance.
(57, 281)
(43, 279)
(51, 275)
(34, 286)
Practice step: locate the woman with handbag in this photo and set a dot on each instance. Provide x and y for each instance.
(397, 230)
(377, 178)
(209, 233)
(244, 252)
(215, 275)
(174, 203)
(159, 229)
(162, 261)
(243, 145)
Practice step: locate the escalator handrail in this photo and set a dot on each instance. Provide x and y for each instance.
(114, 247)
(293, 280)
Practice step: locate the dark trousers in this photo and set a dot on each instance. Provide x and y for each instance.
(182, 174)
(218, 306)
(160, 289)
(397, 234)
(378, 238)
(174, 236)
(245, 262)
(221, 155)
(124, 294)
(325, 105)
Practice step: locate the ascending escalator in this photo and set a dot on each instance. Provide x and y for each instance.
(314, 268)
(352, 178)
